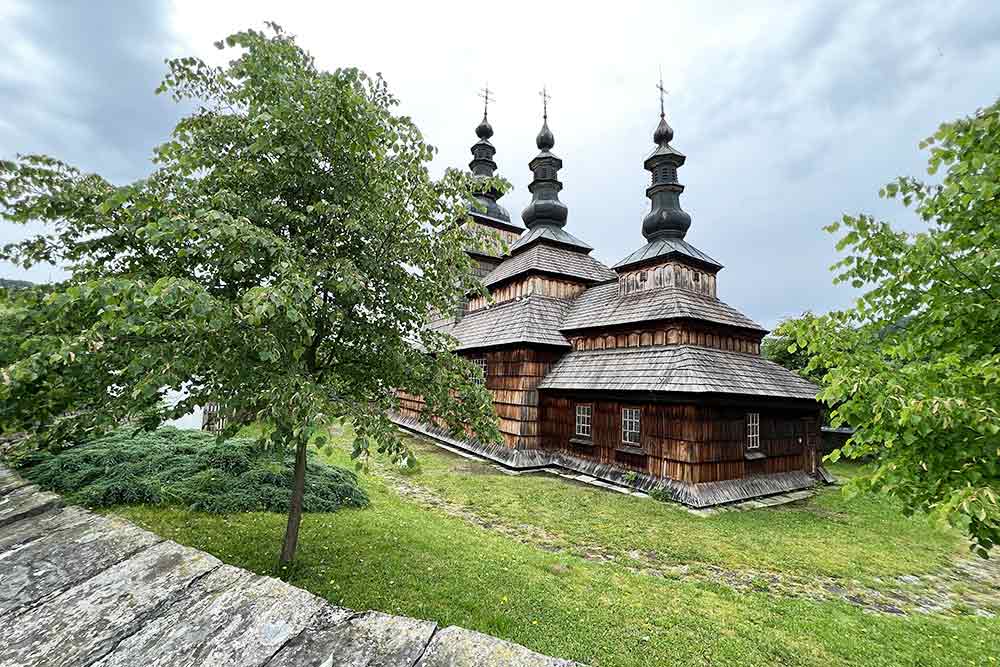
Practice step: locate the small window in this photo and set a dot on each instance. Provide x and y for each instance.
(480, 363)
(753, 430)
(584, 414)
(630, 426)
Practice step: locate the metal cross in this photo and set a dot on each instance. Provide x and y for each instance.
(487, 96)
(663, 91)
(545, 102)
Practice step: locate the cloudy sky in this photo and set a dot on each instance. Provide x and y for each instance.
(791, 114)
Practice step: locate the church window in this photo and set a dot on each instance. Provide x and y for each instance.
(584, 414)
(630, 425)
(480, 363)
(753, 430)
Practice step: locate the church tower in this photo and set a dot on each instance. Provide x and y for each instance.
(488, 212)
(667, 259)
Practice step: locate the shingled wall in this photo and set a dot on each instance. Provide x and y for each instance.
(685, 442)
(512, 376)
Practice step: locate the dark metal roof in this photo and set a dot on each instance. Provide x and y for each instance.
(666, 218)
(482, 167)
(549, 234)
(665, 248)
(551, 260)
(602, 306)
(677, 368)
(533, 319)
(545, 207)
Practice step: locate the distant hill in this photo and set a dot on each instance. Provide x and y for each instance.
(8, 283)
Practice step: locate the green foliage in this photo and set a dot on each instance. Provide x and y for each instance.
(188, 469)
(780, 347)
(280, 261)
(914, 366)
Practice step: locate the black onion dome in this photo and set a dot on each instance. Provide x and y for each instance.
(545, 139)
(484, 130)
(666, 218)
(483, 167)
(545, 207)
(664, 133)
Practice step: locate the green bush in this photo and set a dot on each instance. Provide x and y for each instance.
(188, 469)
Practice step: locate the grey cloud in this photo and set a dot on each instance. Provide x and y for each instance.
(785, 129)
(77, 82)
(92, 102)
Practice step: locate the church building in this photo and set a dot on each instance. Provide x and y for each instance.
(635, 374)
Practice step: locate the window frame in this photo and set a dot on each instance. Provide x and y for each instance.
(481, 364)
(577, 423)
(753, 431)
(632, 416)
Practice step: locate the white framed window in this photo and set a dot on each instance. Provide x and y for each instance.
(753, 430)
(584, 415)
(480, 363)
(630, 425)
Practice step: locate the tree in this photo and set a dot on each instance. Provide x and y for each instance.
(914, 366)
(280, 261)
(777, 347)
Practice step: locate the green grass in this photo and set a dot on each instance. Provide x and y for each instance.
(400, 557)
(829, 535)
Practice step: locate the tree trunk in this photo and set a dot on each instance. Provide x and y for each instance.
(295, 507)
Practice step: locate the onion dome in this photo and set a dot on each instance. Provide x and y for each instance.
(483, 166)
(665, 219)
(545, 209)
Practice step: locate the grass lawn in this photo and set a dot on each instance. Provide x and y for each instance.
(403, 555)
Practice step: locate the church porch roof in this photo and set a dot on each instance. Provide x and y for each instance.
(677, 369)
(534, 319)
(604, 305)
(551, 260)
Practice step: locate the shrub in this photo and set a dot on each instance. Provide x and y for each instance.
(189, 469)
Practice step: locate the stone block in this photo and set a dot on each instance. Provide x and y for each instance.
(61, 559)
(87, 621)
(233, 618)
(24, 502)
(458, 647)
(371, 639)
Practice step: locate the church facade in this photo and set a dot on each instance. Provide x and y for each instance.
(636, 374)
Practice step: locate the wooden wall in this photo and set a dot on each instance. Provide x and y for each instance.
(512, 376)
(667, 274)
(542, 285)
(687, 442)
(670, 333)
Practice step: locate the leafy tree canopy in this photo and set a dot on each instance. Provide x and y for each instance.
(914, 366)
(280, 261)
(777, 347)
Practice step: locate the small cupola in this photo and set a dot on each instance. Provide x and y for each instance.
(667, 259)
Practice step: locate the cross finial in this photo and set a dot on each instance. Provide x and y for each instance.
(487, 96)
(545, 102)
(663, 91)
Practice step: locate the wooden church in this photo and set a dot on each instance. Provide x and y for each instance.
(636, 374)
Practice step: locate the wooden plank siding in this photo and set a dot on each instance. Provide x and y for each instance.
(512, 376)
(685, 442)
(543, 285)
(669, 333)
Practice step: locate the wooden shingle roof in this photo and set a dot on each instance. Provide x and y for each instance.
(550, 234)
(534, 319)
(553, 260)
(677, 368)
(664, 248)
(602, 306)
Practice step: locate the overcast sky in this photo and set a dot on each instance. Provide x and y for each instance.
(791, 114)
